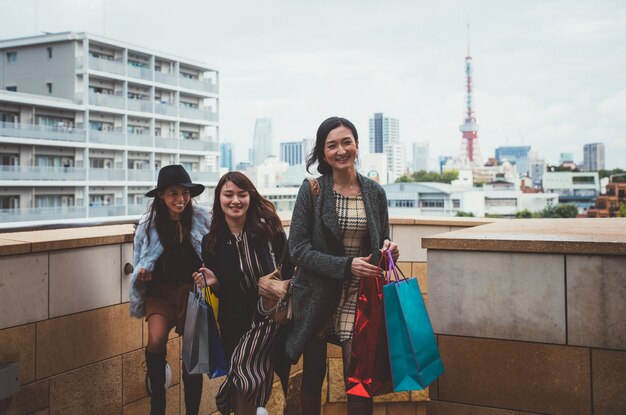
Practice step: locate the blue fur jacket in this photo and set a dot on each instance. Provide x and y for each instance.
(146, 253)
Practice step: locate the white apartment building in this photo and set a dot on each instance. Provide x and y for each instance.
(442, 199)
(86, 122)
(578, 188)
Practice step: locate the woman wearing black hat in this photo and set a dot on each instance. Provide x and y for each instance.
(167, 249)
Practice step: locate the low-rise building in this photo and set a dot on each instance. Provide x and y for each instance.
(577, 188)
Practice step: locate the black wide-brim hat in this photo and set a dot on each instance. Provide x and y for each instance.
(175, 174)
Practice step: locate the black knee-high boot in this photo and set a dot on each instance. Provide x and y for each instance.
(156, 373)
(193, 392)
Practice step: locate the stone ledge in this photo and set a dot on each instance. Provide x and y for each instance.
(57, 239)
(601, 236)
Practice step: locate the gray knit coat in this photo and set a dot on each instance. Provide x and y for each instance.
(316, 248)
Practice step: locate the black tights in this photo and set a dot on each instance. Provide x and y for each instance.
(314, 367)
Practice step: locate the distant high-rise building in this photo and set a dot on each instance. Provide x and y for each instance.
(385, 138)
(295, 152)
(593, 157)
(263, 142)
(226, 155)
(396, 160)
(383, 131)
(421, 153)
(469, 154)
(514, 154)
(291, 152)
(536, 168)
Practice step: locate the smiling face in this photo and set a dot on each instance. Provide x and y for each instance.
(340, 149)
(176, 199)
(234, 202)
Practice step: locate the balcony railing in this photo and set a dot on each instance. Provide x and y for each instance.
(106, 65)
(198, 114)
(199, 145)
(203, 176)
(139, 72)
(10, 129)
(165, 78)
(137, 209)
(41, 173)
(107, 137)
(140, 140)
(198, 84)
(140, 175)
(106, 100)
(106, 174)
(143, 105)
(36, 214)
(105, 211)
(166, 142)
(165, 109)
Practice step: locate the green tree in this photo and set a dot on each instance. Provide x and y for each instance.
(621, 213)
(606, 173)
(460, 213)
(405, 179)
(429, 176)
(524, 214)
(560, 211)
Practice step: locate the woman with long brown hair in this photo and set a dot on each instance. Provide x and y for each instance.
(245, 241)
(166, 255)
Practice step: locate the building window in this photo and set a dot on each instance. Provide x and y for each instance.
(12, 88)
(49, 86)
(456, 203)
(431, 203)
(11, 57)
(49, 53)
(404, 203)
(9, 202)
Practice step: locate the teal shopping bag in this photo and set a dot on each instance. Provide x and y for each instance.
(413, 352)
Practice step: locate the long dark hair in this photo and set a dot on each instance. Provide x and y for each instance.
(262, 221)
(158, 212)
(317, 154)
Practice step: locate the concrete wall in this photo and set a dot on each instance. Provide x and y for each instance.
(33, 69)
(64, 319)
(529, 332)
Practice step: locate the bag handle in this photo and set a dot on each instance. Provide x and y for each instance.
(394, 268)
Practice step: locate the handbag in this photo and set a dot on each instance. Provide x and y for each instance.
(368, 373)
(270, 303)
(203, 351)
(413, 352)
(270, 288)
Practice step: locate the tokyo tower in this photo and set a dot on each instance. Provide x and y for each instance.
(469, 153)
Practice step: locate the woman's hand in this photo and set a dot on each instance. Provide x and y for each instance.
(391, 246)
(362, 268)
(205, 274)
(271, 288)
(144, 275)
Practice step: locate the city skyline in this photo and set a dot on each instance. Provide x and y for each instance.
(546, 74)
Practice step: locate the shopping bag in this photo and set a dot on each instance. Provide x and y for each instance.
(218, 364)
(413, 352)
(203, 351)
(196, 335)
(369, 372)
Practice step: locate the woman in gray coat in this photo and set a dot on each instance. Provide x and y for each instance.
(335, 239)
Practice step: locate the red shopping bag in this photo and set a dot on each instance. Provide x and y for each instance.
(369, 373)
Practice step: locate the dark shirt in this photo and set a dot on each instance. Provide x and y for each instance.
(178, 261)
(238, 306)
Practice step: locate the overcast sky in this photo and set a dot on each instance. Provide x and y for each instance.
(548, 74)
